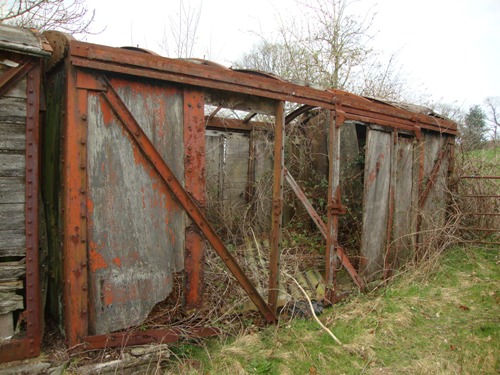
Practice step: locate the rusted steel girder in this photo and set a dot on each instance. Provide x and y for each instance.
(13, 75)
(74, 206)
(355, 107)
(194, 212)
(322, 228)
(158, 336)
(194, 182)
(277, 207)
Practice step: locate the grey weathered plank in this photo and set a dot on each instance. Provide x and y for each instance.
(19, 89)
(12, 216)
(136, 226)
(12, 165)
(236, 170)
(10, 301)
(375, 202)
(405, 210)
(12, 110)
(12, 271)
(10, 286)
(241, 102)
(433, 212)
(12, 136)
(12, 190)
(12, 242)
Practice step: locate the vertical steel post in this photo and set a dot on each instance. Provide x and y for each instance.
(334, 204)
(74, 169)
(195, 185)
(277, 208)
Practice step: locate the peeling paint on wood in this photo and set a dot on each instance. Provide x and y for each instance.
(135, 224)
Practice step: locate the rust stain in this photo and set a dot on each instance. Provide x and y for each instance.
(107, 113)
(117, 261)
(96, 260)
(374, 173)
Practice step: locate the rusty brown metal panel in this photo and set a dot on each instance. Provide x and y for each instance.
(136, 226)
(157, 336)
(375, 202)
(405, 210)
(74, 211)
(277, 208)
(195, 184)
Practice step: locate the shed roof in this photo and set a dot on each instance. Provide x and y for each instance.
(23, 41)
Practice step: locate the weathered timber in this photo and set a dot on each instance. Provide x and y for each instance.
(12, 165)
(433, 210)
(375, 202)
(248, 103)
(12, 216)
(12, 136)
(405, 211)
(10, 301)
(12, 271)
(134, 220)
(12, 110)
(10, 286)
(12, 190)
(12, 242)
(18, 90)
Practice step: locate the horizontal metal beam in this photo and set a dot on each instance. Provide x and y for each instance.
(185, 72)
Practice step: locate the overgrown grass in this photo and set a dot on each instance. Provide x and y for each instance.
(441, 318)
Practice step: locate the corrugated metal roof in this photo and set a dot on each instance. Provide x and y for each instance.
(23, 41)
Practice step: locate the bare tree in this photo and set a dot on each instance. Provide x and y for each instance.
(71, 16)
(329, 45)
(493, 113)
(183, 30)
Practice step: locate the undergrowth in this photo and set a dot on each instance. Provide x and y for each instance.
(438, 318)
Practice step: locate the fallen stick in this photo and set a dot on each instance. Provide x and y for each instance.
(312, 309)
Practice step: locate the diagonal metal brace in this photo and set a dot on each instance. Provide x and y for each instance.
(322, 228)
(187, 202)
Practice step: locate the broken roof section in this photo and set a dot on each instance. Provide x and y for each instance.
(203, 73)
(24, 41)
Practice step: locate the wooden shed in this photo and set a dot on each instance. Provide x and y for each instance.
(21, 55)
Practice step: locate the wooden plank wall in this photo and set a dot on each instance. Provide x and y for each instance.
(402, 245)
(375, 202)
(136, 226)
(12, 195)
(433, 212)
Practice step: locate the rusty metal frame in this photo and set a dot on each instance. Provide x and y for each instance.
(13, 75)
(480, 229)
(194, 182)
(29, 346)
(355, 107)
(335, 121)
(322, 228)
(277, 207)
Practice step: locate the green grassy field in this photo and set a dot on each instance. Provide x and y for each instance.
(442, 318)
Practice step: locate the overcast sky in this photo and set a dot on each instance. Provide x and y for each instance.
(450, 49)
